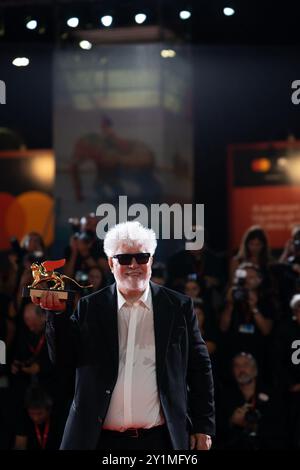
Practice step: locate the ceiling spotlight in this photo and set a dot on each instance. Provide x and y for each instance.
(107, 20)
(228, 11)
(185, 14)
(167, 53)
(86, 45)
(140, 18)
(31, 24)
(73, 22)
(20, 61)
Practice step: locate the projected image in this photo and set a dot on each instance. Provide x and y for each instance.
(122, 126)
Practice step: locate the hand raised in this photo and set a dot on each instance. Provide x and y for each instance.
(50, 301)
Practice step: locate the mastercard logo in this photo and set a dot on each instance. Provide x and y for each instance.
(32, 211)
(261, 165)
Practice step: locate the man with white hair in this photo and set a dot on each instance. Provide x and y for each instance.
(143, 373)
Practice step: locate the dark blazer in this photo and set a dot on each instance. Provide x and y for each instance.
(88, 340)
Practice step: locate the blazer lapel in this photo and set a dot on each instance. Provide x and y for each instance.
(163, 312)
(109, 319)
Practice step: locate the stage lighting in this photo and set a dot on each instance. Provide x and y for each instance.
(20, 61)
(185, 14)
(228, 11)
(73, 22)
(106, 20)
(31, 24)
(86, 45)
(167, 53)
(140, 18)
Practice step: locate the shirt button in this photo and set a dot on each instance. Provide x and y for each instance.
(108, 392)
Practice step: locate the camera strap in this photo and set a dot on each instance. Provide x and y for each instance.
(42, 440)
(37, 349)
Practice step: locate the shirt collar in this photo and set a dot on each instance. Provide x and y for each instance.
(145, 298)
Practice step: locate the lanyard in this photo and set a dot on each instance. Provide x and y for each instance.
(42, 440)
(36, 351)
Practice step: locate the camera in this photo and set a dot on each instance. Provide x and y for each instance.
(192, 277)
(34, 257)
(75, 224)
(81, 277)
(296, 245)
(252, 416)
(16, 248)
(239, 291)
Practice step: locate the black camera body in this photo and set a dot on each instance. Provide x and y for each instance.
(296, 245)
(291, 274)
(82, 278)
(240, 293)
(252, 416)
(16, 249)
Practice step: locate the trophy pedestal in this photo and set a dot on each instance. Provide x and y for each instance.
(38, 292)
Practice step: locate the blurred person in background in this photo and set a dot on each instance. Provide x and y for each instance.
(287, 272)
(159, 273)
(287, 367)
(206, 326)
(250, 416)
(255, 249)
(205, 264)
(38, 430)
(17, 272)
(246, 321)
(33, 242)
(85, 250)
(31, 362)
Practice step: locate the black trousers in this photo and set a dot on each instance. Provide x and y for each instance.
(157, 439)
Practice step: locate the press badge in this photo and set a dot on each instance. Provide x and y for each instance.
(247, 328)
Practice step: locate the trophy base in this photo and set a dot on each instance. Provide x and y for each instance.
(62, 294)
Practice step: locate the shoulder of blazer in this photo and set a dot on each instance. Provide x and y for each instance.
(99, 296)
(173, 296)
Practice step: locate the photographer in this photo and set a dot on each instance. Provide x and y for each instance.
(205, 314)
(248, 316)
(206, 325)
(93, 277)
(25, 276)
(14, 261)
(205, 263)
(288, 369)
(159, 273)
(255, 249)
(85, 250)
(286, 272)
(250, 417)
(31, 358)
(38, 430)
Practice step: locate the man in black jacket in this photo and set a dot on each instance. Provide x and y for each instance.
(143, 373)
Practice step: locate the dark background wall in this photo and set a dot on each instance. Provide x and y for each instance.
(241, 94)
(28, 108)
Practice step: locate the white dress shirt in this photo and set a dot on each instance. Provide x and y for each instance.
(135, 401)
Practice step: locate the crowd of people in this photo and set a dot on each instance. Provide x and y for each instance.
(248, 310)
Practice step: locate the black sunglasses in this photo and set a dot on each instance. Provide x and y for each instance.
(126, 258)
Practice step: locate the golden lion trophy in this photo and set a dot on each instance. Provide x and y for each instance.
(44, 273)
